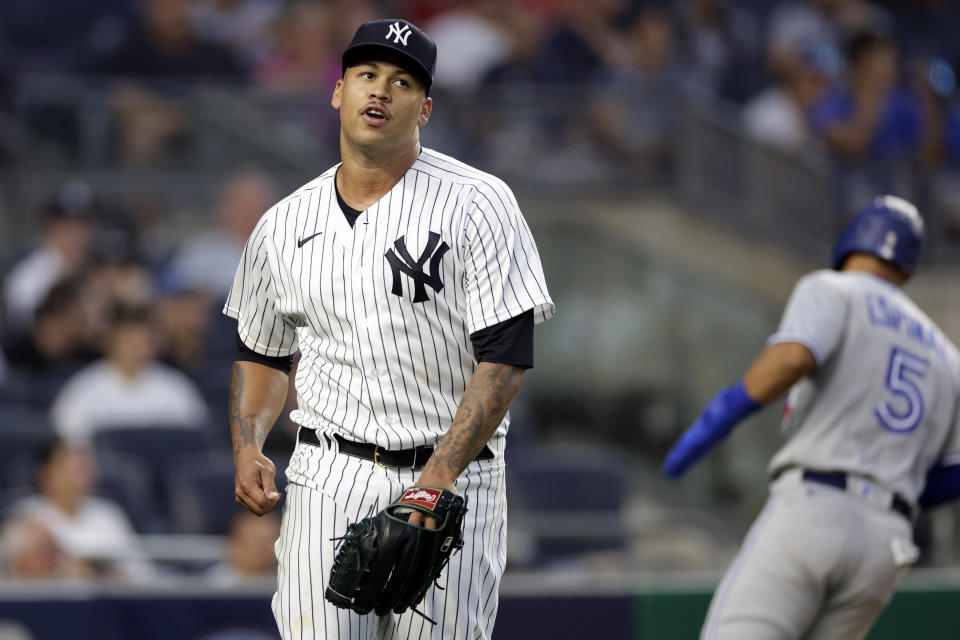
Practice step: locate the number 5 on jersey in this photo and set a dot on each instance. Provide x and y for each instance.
(903, 371)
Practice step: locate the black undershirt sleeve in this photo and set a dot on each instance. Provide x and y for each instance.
(280, 363)
(508, 342)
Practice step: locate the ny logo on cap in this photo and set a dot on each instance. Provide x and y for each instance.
(400, 32)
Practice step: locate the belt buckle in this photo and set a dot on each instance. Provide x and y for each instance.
(376, 458)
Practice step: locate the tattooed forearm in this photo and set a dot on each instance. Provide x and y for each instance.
(257, 395)
(484, 403)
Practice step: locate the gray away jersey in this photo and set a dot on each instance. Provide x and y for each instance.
(382, 312)
(882, 401)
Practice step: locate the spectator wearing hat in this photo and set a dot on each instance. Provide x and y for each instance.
(66, 237)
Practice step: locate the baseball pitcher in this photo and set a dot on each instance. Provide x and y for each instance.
(410, 284)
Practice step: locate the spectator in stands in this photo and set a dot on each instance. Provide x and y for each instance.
(64, 249)
(118, 270)
(524, 40)
(11, 138)
(541, 90)
(86, 528)
(242, 26)
(952, 135)
(207, 261)
(302, 57)
(58, 337)
(249, 550)
(52, 35)
(820, 28)
(128, 387)
(152, 124)
(718, 42)
(634, 110)
(166, 46)
(581, 43)
(869, 117)
(347, 15)
(32, 552)
(151, 128)
(116, 279)
(474, 41)
(184, 316)
(777, 116)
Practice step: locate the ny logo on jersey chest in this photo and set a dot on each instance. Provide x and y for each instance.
(401, 262)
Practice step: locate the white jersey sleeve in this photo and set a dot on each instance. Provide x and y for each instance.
(815, 316)
(253, 298)
(503, 277)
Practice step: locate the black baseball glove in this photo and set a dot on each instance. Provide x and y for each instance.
(386, 564)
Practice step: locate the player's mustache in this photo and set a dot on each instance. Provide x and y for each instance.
(379, 106)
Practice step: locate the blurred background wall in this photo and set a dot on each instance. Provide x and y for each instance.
(681, 164)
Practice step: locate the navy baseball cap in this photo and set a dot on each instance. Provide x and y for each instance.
(399, 39)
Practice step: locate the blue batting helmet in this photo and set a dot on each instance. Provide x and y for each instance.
(890, 228)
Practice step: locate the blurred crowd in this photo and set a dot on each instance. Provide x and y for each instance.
(109, 324)
(100, 338)
(601, 80)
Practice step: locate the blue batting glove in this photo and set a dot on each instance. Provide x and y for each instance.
(721, 415)
(695, 443)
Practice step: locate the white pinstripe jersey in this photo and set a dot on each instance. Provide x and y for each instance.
(382, 312)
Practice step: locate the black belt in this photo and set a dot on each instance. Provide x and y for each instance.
(400, 458)
(838, 479)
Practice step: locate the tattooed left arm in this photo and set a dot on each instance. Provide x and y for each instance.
(485, 401)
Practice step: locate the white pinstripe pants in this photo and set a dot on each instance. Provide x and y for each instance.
(328, 490)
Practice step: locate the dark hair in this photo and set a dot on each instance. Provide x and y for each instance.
(43, 455)
(863, 42)
(647, 12)
(61, 297)
(130, 314)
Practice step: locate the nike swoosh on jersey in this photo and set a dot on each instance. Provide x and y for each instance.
(303, 241)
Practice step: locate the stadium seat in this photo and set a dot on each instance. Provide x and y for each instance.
(10, 497)
(200, 487)
(122, 480)
(571, 500)
(33, 389)
(213, 381)
(24, 417)
(239, 634)
(22, 432)
(153, 445)
(221, 336)
(153, 448)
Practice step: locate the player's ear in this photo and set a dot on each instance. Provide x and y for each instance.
(426, 108)
(337, 95)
